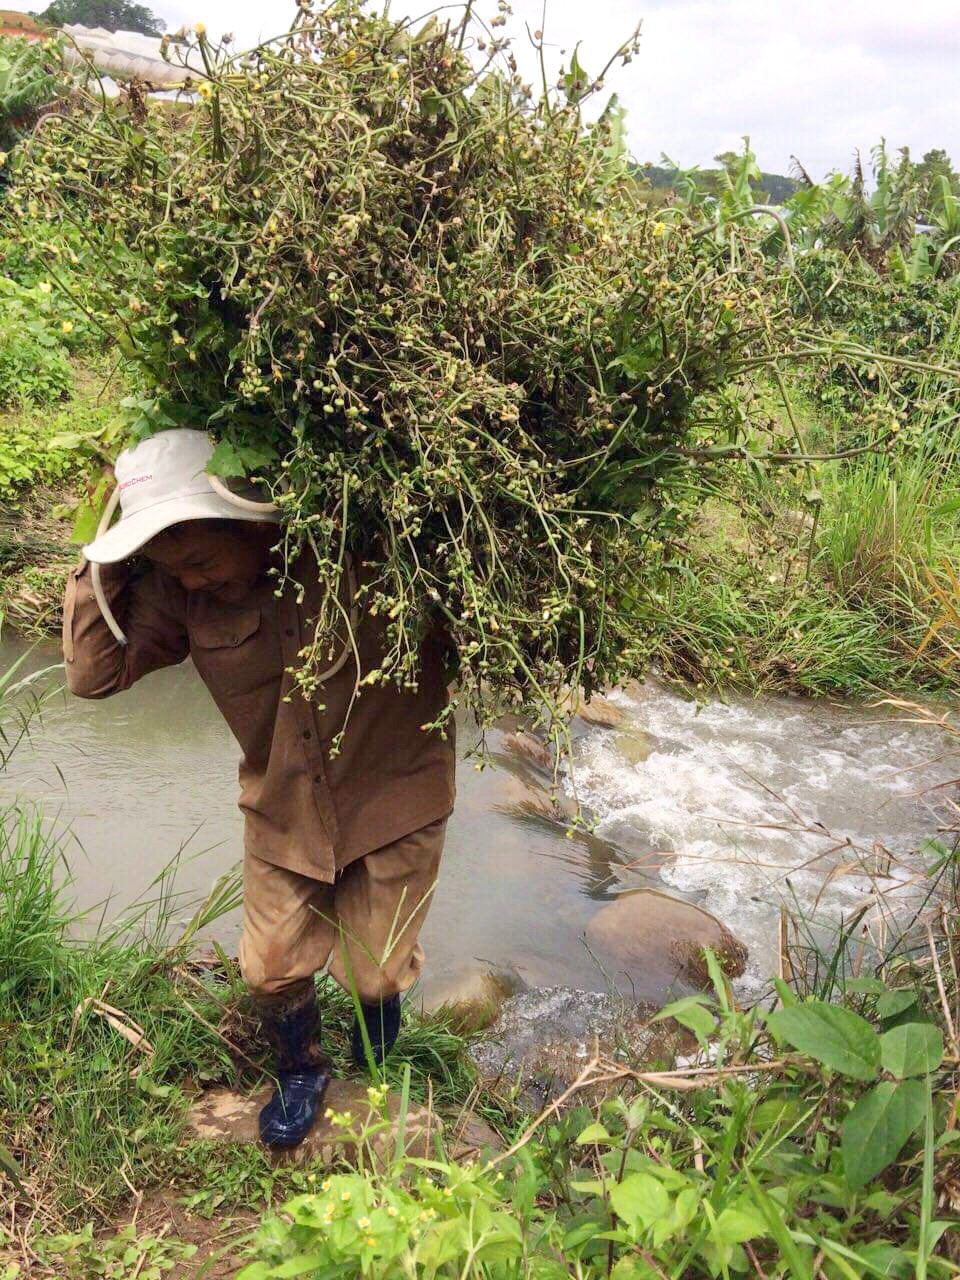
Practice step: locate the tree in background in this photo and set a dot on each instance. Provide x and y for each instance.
(114, 15)
(934, 166)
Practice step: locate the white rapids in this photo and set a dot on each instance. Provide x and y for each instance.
(763, 803)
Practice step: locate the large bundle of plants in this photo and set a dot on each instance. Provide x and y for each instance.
(429, 309)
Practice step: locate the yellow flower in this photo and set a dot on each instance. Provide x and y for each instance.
(204, 89)
(44, 286)
(200, 28)
(447, 1191)
(363, 1223)
(344, 1196)
(3, 157)
(67, 326)
(325, 1185)
(391, 1211)
(370, 1242)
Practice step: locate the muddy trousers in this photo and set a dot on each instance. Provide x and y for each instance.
(363, 928)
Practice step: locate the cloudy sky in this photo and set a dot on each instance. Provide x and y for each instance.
(816, 79)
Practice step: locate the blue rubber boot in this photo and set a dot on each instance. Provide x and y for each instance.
(303, 1072)
(382, 1021)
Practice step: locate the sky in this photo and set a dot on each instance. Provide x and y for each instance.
(817, 79)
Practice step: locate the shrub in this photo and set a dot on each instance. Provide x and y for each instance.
(34, 368)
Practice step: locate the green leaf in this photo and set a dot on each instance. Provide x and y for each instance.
(9, 1166)
(735, 1225)
(154, 1090)
(874, 1130)
(575, 81)
(690, 1013)
(885, 1260)
(773, 1216)
(893, 1002)
(838, 1038)
(866, 986)
(85, 523)
(300, 1266)
(226, 461)
(913, 1049)
(593, 1133)
(587, 1186)
(640, 1200)
(788, 998)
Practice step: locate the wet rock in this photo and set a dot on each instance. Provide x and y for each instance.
(224, 1115)
(471, 1138)
(634, 747)
(472, 999)
(519, 797)
(530, 749)
(641, 930)
(545, 1037)
(598, 711)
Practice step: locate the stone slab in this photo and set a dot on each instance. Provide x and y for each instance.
(226, 1115)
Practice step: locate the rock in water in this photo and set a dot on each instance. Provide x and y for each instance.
(639, 930)
(597, 711)
(472, 999)
(545, 1037)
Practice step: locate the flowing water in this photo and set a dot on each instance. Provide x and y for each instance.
(737, 807)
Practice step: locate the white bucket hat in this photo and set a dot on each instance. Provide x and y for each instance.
(163, 481)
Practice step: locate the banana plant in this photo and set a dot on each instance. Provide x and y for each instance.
(945, 217)
(25, 86)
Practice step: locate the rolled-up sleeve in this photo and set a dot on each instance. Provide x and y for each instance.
(97, 665)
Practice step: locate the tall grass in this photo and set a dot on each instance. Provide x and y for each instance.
(890, 524)
(84, 1108)
(776, 601)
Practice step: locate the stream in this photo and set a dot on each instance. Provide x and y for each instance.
(738, 807)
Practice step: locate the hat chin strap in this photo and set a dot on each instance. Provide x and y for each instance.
(244, 504)
(98, 592)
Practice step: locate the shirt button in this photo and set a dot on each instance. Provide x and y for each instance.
(234, 640)
(318, 778)
(307, 733)
(288, 631)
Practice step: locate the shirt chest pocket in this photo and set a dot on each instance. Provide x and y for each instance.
(234, 653)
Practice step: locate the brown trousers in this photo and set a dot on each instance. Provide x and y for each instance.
(363, 927)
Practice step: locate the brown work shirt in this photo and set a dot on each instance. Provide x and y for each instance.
(305, 809)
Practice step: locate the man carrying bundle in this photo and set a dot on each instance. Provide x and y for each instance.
(341, 848)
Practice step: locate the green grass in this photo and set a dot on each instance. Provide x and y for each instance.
(773, 600)
(83, 1112)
